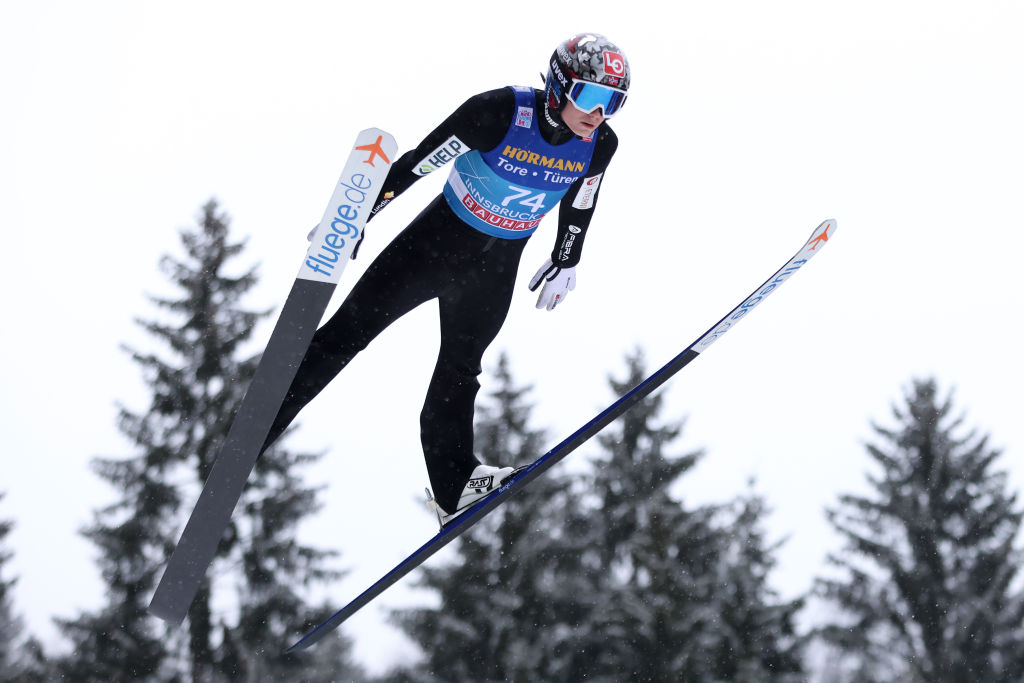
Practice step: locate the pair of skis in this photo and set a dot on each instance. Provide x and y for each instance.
(330, 248)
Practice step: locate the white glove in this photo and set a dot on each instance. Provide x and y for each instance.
(557, 284)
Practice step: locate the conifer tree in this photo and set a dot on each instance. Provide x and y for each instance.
(10, 624)
(685, 586)
(757, 638)
(197, 383)
(928, 586)
(605, 575)
(21, 656)
(658, 558)
(513, 597)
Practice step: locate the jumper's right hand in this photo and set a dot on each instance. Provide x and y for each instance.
(355, 251)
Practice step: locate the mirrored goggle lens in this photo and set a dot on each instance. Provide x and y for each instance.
(589, 96)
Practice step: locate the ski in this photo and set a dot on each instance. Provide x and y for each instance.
(330, 249)
(523, 476)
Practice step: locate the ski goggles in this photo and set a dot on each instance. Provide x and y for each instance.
(589, 96)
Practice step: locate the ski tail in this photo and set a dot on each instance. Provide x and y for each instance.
(330, 246)
(521, 477)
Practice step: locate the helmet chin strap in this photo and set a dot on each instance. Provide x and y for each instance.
(550, 119)
(547, 110)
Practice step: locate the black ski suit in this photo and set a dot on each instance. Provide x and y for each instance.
(472, 274)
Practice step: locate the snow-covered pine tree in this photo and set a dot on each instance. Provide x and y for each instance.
(10, 624)
(675, 573)
(928, 585)
(514, 597)
(21, 656)
(197, 383)
(757, 638)
(275, 567)
(658, 558)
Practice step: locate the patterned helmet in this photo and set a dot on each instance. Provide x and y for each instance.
(587, 59)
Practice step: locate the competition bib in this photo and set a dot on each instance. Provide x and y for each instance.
(506, 191)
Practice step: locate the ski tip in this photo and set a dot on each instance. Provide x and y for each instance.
(831, 225)
(821, 235)
(386, 138)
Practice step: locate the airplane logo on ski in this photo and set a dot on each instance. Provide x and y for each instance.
(375, 151)
(820, 239)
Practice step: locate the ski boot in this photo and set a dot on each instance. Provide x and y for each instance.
(484, 480)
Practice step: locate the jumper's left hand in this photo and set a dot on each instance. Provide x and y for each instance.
(558, 282)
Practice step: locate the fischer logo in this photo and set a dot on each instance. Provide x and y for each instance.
(585, 197)
(450, 149)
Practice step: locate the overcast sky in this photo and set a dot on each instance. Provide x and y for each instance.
(748, 123)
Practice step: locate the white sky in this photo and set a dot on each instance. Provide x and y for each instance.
(748, 123)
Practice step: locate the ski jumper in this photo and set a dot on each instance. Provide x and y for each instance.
(511, 167)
